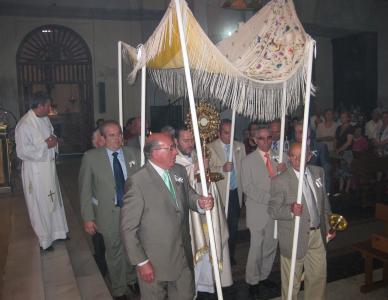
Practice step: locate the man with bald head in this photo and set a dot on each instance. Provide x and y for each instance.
(155, 222)
(313, 231)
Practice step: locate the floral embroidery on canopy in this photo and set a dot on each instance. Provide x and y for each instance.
(253, 71)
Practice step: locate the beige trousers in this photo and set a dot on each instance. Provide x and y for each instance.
(262, 251)
(314, 265)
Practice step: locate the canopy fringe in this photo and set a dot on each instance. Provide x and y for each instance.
(214, 76)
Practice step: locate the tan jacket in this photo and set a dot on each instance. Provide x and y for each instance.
(256, 187)
(284, 189)
(217, 161)
(96, 180)
(153, 227)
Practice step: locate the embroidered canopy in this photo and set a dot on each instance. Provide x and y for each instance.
(248, 71)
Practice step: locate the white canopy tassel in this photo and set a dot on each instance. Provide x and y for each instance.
(198, 147)
(302, 167)
(230, 159)
(120, 80)
(140, 50)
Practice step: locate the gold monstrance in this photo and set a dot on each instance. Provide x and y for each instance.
(208, 124)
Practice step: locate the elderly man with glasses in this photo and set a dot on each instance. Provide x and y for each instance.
(155, 222)
(258, 168)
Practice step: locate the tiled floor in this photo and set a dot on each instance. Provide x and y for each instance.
(22, 276)
(5, 220)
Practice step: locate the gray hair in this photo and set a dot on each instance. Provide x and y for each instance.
(149, 146)
(107, 123)
(262, 126)
(169, 130)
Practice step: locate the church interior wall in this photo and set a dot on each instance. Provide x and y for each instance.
(8, 82)
(351, 14)
(102, 36)
(337, 17)
(382, 57)
(323, 73)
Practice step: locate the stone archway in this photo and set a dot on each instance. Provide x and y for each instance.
(57, 60)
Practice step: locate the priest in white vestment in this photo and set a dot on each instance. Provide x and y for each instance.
(204, 280)
(36, 146)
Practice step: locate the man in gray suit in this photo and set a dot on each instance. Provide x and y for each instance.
(101, 182)
(256, 172)
(219, 162)
(313, 231)
(155, 222)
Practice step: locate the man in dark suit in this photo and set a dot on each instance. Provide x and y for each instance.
(101, 182)
(155, 222)
(313, 231)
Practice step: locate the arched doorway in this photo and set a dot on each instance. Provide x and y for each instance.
(55, 59)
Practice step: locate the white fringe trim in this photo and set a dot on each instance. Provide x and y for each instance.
(256, 99)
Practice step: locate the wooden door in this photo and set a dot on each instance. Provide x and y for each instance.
(56, 60)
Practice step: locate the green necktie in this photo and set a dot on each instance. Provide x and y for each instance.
(168, 183)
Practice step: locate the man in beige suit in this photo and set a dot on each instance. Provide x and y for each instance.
(313, 231)
(257, 170)
(101, 182)
(155, 222)
(219, 156)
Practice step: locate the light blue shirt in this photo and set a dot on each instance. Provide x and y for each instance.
(233, 177)
(121, 159)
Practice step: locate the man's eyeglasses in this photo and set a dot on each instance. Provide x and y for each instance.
(171, 148)
(264, 138)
